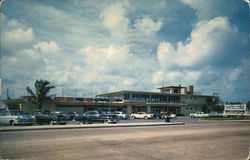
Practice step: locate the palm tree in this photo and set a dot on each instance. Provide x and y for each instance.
(42, 90)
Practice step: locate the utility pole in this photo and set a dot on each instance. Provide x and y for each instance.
(75, 93)
(62, 92)
(7, 93)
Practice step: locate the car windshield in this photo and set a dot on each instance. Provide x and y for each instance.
(17, 113)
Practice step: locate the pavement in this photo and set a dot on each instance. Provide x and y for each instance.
(203, 141)
(78, 126)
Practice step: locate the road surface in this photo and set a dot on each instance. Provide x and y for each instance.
(220, 141)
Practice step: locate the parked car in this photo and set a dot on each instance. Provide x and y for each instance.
(46, 117)
(73, 116)
(98, 116)
(159, 115)
(122, 115)
(199, 115)
(142, 115)
(15, 117)
(172, 115)
(61, 113)
(163, 115)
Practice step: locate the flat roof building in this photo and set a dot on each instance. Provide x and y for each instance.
(175, 99)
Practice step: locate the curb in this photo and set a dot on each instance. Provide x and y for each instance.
(17, 128)
(223, 120)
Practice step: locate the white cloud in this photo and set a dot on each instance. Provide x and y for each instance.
(15, 34)
(47, 47)
(147, 26)
(234, 74)
(204, 8)
(158, 77)
(19, 36)
(166, 54)
(205, 42)
(115, 18)
(193, 76)
(173, 77)
(108, 59)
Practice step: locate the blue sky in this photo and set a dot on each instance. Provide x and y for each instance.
(99, 46)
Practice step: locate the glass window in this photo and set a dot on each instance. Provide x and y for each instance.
(5, 113)
(16, 113)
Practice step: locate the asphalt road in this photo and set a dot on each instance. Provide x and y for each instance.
(216, 141)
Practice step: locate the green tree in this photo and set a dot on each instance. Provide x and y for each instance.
(42, 89)
(213, 104)
(248, 105)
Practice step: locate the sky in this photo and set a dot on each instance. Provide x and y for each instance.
(89, 47)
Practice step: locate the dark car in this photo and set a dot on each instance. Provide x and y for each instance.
(97, 116)
(74, 116)
(46, 117)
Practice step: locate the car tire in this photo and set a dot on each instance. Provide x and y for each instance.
(12, 122)
(106, 121)
(132, 117)
(51, 122)
(145, 117)
(192, 116)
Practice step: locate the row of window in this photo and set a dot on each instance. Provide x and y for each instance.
(191, 108)
(190, 97)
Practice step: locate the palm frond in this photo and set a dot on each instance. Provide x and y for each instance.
(30, 91)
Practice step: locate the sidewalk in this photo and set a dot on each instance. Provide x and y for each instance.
(81, 126)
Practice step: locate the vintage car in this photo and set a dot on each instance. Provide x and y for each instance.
(98, 116)
(122, 115)
(164, 115)
(46, 117)
(142, 115)
(15, 117)
(74, 116)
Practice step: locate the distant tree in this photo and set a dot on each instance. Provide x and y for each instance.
(213, 104)
(248, 105)
(42, 89)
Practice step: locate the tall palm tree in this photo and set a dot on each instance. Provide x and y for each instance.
(42, 89)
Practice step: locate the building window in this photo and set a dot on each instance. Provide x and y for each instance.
(187, 108)
(176, 91)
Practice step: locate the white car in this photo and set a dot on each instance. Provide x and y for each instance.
(14, 117)
(198, 115)
(172, 116)
(122, 115)
(142, 115)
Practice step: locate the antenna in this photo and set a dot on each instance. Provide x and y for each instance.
(62, 92)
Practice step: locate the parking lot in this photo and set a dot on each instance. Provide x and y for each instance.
(225, 141)
(186, 120)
